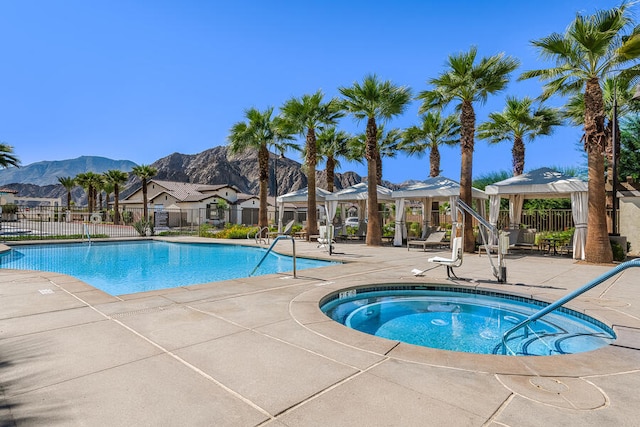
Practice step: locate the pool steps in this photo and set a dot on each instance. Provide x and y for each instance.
(562, 301)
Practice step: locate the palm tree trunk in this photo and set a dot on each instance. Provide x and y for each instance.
(467, 130)
(331, 174)
(434, 161)
(116, 207)
(312, 215)
(263, 166)
(597, 247)
(374, 232)
(378, 166)
(517, 156)
(145, 209)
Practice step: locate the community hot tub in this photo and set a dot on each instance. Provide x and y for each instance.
(464, 319)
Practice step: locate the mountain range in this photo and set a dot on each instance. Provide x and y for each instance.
(212, 166)
(48, 172)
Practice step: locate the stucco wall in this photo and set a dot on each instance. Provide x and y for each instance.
(630, 222)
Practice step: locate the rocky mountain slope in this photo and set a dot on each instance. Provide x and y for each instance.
(213, 166)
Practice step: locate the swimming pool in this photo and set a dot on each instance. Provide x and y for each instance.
(462, 319)
(120, 268)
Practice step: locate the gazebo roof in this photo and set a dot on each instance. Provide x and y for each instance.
(302, 195)
(539, 183)
(438, 187)
(360, 192)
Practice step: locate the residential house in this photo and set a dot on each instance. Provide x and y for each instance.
(185, 203)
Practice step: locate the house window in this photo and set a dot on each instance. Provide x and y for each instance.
(212, 211)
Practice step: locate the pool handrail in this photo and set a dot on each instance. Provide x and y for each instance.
(565, 299)
(293, 241)
(499, 272)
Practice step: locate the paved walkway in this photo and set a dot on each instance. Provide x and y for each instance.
(258, 351)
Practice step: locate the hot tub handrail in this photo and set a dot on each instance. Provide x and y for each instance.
(293, 241)
(565, 299)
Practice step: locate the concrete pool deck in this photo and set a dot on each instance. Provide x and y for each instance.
(258, 351)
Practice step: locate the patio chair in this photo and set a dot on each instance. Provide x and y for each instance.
(433, 240)
(326, 236)
(285, 232)
(454, 261)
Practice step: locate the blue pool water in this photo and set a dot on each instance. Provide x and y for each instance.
(465, 321)
(130, 267)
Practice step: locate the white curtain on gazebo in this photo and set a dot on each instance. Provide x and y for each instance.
(579, 210)
(453, 204)
(515, 210)
(427, 202)
(331, 207)
(401, 230)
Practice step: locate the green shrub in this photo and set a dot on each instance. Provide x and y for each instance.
(127, 217)
(618, 253)
(234, 231)
(10, 208)
(389, 229)
(205, 230)
(143, 226)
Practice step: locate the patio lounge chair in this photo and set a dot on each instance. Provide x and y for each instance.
(450, 263)
(435, 239)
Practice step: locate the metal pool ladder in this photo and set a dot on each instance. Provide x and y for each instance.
(565, 299)
(271, 247)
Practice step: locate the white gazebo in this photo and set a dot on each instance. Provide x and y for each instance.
(437, 188)
(542, 183)
(298, 197)
(356, 193)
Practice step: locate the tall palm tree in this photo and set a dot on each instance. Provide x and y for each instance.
(332, 145)
(68, 183)
(90, 181)
(258, 132)
(389, 143)
(622, 90)
(374, 100)
(144, 173)
(7, 158)
(108, 188)
(519, 120)
(433, 132)
(116, 178)
(592, 48)
(467, 82)
(304, 116)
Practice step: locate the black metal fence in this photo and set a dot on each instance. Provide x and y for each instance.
(45, 223)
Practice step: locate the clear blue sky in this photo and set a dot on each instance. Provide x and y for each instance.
(139, 80)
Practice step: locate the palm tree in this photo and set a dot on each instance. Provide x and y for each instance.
(622, 90)
(256, 133)
(116, 178)
(90, 181)
(304, 116)
(68, 183)
(592, 48)
(144, 173)
(433, 132)
(331, 145)
(466, 82)
(520, 120)
(389, 143)
(7, 158)
(374, 101)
